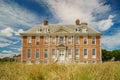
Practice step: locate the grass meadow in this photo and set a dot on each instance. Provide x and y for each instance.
(18, 71)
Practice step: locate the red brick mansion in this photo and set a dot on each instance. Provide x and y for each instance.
(48, 43)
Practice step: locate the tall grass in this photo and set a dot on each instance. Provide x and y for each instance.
(18, 71)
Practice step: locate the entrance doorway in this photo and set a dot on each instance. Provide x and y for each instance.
(61, 54)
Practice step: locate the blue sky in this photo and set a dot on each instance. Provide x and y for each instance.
(20, 15)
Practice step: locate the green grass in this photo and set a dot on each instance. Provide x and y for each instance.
(18, 71)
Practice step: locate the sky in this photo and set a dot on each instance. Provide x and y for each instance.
(17, 16)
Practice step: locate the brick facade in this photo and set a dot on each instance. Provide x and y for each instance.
(77, 51)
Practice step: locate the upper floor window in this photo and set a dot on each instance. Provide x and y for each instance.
(93, 40)
(76, 39)
(61, 39)
(28, 53)
(69, 53)
(29, 40)
(85, 53)
(69, 39)
(45, 53)
(53, 40)
(37, 40)
(85, 40)
(53, 53)
(37, 53)
(93, 53)
(46, 39)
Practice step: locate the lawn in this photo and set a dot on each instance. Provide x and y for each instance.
(18, 71)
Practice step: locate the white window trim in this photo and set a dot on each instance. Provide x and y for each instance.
(53, 57)
(95, 40)
(47, 54)
(36, 39)
(29, 41)
(77, 56)
(84, 39)
(68, 39)
(87, 53)
(52, 39)
(94, 56)
(78, 39)
(59, 39)
(47, 39)
(70, 56)
(27, 53)
(78, 30)
(35, 53)
(84, 30)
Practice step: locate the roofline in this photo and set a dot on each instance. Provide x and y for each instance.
(45, 34)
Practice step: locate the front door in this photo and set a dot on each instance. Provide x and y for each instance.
(61, 54)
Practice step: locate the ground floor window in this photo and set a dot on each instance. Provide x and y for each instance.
(76, 53)
(69, 53)
(53, 53)
(45, 53)
(37, 53)
(28, 53)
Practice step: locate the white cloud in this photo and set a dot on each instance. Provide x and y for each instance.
(106, 24)
(67, 11)
(111, 42)
(7, 32)
(6, 51)
(19, 31)
(11, 14)
(4, 44)
(6, 55)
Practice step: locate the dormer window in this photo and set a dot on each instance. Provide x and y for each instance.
(40, 30)
(47, 30)
(84, 30)
(77, 30)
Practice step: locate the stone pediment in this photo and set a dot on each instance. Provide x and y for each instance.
(62, 30)
(61, 46)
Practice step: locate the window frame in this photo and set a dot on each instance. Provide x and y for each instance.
(69, 39)
(29, 39)
(45, 53)
(85, 39)
(37, 40)
(78, 39)
(63, 40)
(93, 40)
(38, 53)
(78, 54)
(69, 55)
(46, 39)
(54, 56)
(94, 56)
(54, 41)
(29, 53)
(85, 56)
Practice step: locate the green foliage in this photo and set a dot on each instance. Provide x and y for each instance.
(109, 55)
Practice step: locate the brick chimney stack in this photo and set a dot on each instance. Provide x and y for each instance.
(77, 22)
(45, 22)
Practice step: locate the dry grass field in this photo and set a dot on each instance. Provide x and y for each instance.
(18, 71)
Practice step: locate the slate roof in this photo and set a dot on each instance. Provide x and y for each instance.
(61, 29)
